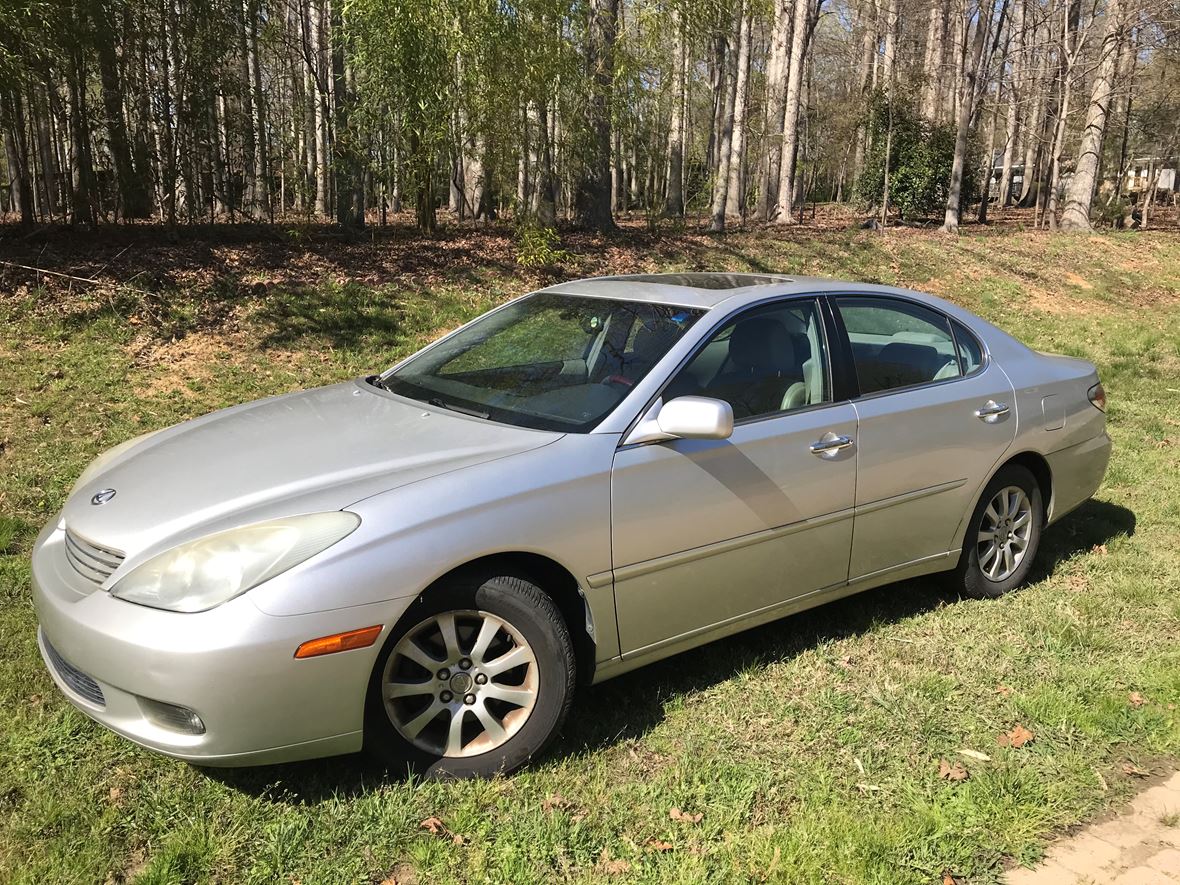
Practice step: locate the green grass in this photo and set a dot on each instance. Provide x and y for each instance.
(811, 746)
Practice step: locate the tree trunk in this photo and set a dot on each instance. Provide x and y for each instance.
(16, 149)
(544, 208)
(257, 120)
(674, 199)
(47, 154)
(592, 195)
(82, 169)
(317, 27)
(1015, 93)
(966, 92)
(932, 61)
(776, 104)
(735, 204)
(133, 197)
(1080, 192)
(801, 32)
(889, 62)
(989, 157)
(725, 132)
(867, 11)
(1069, 27)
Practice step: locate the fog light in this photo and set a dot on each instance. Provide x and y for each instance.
(172, 716)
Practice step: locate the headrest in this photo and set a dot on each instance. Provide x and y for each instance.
(653, 339)
(762, 344)
(919, 356)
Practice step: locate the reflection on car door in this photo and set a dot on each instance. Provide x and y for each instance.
(706, 531)
(933, 424)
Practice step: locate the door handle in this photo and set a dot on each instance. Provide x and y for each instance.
(830, 443)
(991, 411)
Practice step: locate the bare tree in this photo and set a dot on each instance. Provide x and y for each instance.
(1080, 191)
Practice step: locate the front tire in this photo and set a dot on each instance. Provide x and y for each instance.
(474, 681)
(1003, 535)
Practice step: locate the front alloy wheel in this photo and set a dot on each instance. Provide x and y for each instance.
(475, 680)
(460, 683)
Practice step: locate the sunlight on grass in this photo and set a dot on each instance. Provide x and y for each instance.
(810, 746)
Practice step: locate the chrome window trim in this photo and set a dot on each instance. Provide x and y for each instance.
(984, 363)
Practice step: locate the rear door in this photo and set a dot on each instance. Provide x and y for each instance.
(935, 417)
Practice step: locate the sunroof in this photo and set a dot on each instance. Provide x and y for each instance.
(708, 280)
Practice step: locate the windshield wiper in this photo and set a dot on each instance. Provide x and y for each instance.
(474, 413)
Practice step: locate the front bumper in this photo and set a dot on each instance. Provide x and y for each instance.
(233, 666)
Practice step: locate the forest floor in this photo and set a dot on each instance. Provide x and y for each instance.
(860, 742)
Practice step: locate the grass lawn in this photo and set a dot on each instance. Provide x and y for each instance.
(811, 748)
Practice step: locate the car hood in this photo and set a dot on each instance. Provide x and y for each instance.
(319, 449)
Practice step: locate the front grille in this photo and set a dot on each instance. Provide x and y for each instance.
(73, 677)
(92, 561)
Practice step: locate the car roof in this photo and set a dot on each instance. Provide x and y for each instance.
(695, 289)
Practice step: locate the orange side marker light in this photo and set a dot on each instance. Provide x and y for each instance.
(327, 645)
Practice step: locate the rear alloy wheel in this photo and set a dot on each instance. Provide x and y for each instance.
(477, 684)
(1003, 534)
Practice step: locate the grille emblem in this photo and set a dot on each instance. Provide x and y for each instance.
(102, 496)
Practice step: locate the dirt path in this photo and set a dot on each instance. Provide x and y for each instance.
(1141, 846)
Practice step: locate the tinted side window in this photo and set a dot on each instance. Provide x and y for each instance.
(897, 343)
(767, 360)
(970, 351)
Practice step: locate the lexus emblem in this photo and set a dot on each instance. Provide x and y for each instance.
(102, 496)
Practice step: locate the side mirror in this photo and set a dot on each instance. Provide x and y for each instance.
(696, 417)
(686, 417)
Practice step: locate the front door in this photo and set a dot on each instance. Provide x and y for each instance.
(706, 531)
(935, 418)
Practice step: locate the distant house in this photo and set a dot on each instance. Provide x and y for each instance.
(1142, 171)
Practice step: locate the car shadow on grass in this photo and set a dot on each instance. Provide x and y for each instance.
(628, 707)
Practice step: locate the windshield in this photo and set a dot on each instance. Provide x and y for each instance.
(547, 361)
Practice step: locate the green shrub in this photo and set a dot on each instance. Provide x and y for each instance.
(539, 247)
(920, 158)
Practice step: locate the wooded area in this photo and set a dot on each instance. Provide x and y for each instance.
(212, 111)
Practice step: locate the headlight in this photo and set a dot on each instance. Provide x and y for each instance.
(98, 464)
(209, 571)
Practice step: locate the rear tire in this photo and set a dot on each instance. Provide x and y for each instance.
(1002, 536)
(489, 650)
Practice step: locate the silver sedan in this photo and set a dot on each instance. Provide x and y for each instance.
(425, 562)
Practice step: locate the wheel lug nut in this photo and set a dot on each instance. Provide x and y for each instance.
(469, 700)
(465, 664)
(445, 697)
(480, 679)
(444, 673)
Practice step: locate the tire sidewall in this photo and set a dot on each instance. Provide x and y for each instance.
(534, 615)
(974, 582)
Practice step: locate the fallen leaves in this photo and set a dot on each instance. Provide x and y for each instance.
(401, 874)
(658, 845)
(1136, 700)
(610, 865)
(1003, 690)
(1130, 769)
(684, 817)
(556, 802)
(1016, 738)
(436, 827)
(954, 772)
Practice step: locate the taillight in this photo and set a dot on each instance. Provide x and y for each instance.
(1097, 395)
